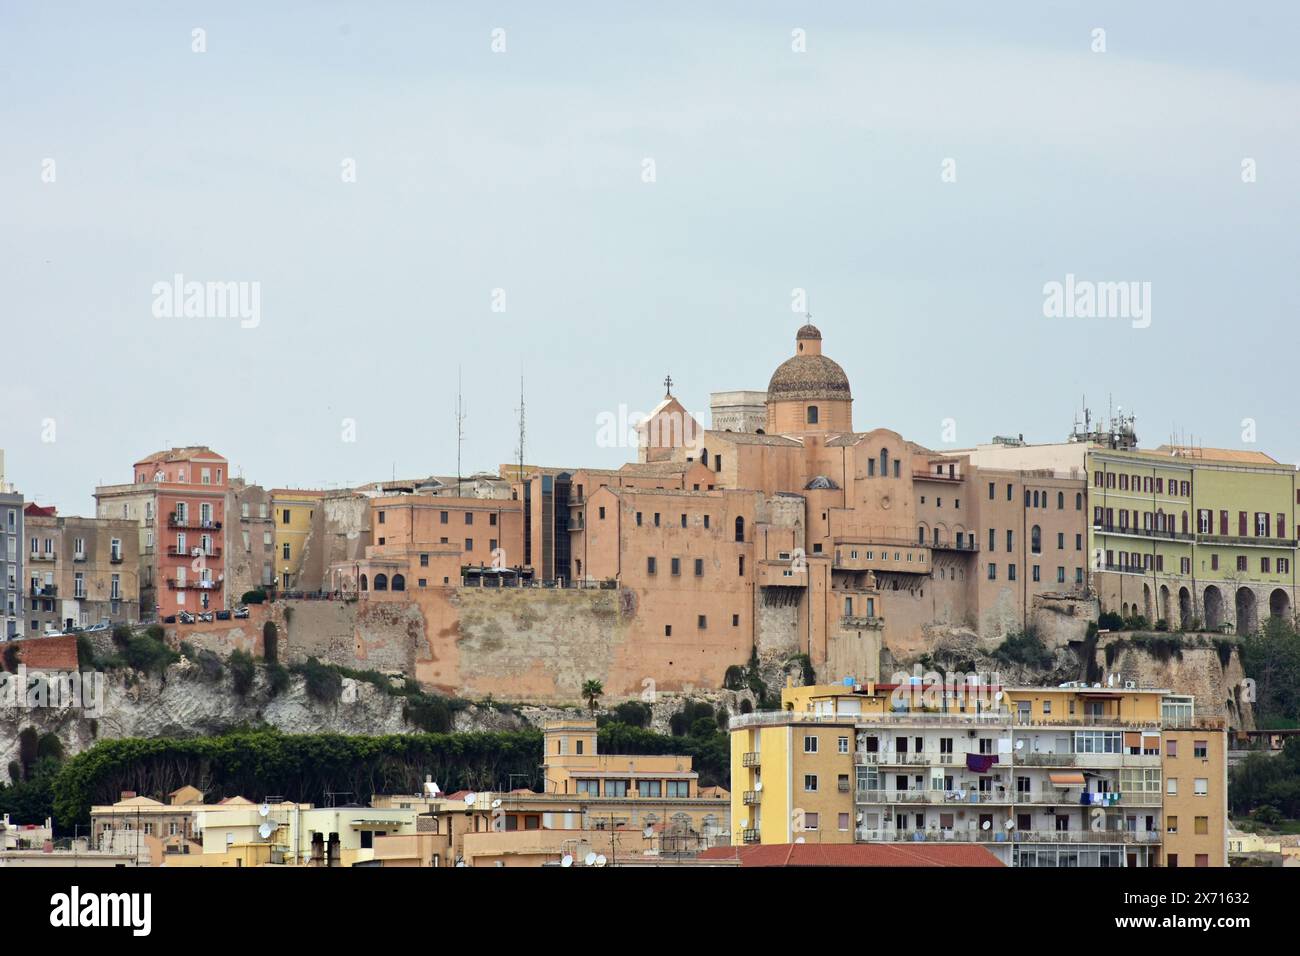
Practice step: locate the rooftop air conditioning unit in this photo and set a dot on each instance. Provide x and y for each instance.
(1130, 685)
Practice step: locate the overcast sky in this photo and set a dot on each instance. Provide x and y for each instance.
(525, 171)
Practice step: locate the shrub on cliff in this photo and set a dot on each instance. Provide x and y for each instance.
(242, 671)
(324, 683)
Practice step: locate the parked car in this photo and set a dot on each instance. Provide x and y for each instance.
(241, 611)
(185, 617)
(170, 619)
(223, 615)
(207, 617)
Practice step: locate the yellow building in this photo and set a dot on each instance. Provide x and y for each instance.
(1043, 776)
(293, 509)
(1201, 538)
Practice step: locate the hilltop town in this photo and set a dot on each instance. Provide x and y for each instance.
(807, 583)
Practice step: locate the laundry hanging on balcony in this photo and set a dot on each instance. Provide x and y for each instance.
(980, 763)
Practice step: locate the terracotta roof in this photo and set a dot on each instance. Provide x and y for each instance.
(753, 438)
(856, 854)
(809, 331)
(1236, 455)
(34, 510)
(180, 454)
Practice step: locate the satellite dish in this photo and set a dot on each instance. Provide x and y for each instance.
(799, 840)
(589, 859)
(566, 861)
(470, 798)
(265, 831)
(987, 824)
(998, 695)
(758, 786)
(1010, 824)
(859, 818)
(1020, 745)
(264, 810)
(648, 832)
(600, 860)
(744, 823)
(496, 803)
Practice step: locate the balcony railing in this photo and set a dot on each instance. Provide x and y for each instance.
(115, 559)
(175, 552)
(176, 585)
(1246, 541)
(870, 622)
(192, 524)
(45, 590)
(920, 719)
(1000, 834)
(967, 545)
(752, 797)
(749, 836)
(750, 759)
(41, 556)
(1170, 535)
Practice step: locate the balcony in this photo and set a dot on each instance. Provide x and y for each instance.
(79, 556)
(855, 623)
(1000, 834)
(1105, 528)
(174, 552)
(115, 558)
(752, 797)
(575, 524)
(45, 590)
(192, 524)
(44, 556)
(750, 759)
(1246, 541)
(175, 585)
(966, 546)
(749, 836)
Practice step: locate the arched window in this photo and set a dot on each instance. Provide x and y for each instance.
(1036, 540)
(399, 582)
(1078, 502)
(812, 414)
(920, 534)
(365, 583)
(740, 529)
(381, 582)
(884, 462)
(1060, 501)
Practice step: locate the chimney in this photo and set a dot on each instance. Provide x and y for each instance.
(128, 794)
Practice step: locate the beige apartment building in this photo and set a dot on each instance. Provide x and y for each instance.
(82, 571)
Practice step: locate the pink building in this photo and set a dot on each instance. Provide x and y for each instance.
(177, 499)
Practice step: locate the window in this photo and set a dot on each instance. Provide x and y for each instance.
(1036, 540)
(1201, 786)
(993, 571)
(442, 517)
(284, 517)
(649, 788)
(1202, 826)
(812, 414)
(843, 745)
(381, 517)
(676, 566)
(1200, 749)
(702, 622)
(649, 565)
(741, 565)
(614, 788)
(740, 529)
(810, 744)
(638, 519)
(699, 567)
(679, 788)
(1171, 786)
(285, 550)
(810, 783)
(735, 620)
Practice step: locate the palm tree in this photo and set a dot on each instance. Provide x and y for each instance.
(591, 690)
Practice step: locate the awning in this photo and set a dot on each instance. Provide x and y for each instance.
(1066, 778)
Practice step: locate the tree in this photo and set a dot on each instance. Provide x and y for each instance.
(591, 690)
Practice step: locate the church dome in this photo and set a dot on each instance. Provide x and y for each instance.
(808, 376)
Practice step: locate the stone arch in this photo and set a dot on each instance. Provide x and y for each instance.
(381, 582)
(1146, 602)
(1124, 610)
(1164, 611)
(1279, 604)
(1184, 608)
(365, 583)
(921, 530)
(1213, 605)
(1247, 611)
(399, 582)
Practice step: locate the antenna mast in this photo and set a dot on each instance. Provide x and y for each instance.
(460, 427)
(520, 449)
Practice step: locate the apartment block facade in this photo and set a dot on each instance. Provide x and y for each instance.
(1042, 776)
(82, 571)
(12, 578)
(177, 502)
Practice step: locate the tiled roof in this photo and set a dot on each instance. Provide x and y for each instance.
(1235, 455)
(856, 854)
(753, 438)
(180, 454)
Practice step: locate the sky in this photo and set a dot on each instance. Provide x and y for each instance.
(601, 194)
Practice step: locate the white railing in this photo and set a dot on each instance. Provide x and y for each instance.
(896, 719)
